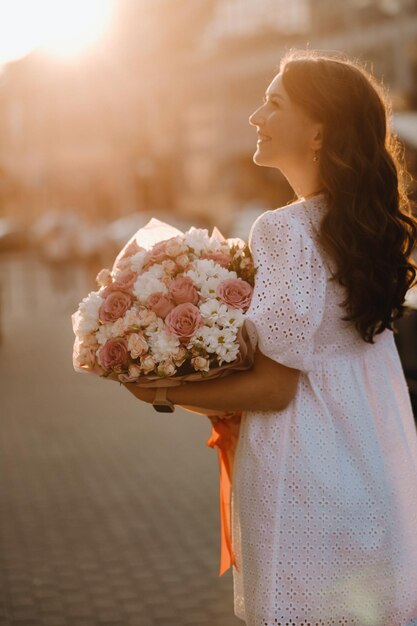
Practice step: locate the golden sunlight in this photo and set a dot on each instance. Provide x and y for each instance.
(63, 28)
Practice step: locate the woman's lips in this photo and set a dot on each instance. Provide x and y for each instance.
(263, 138)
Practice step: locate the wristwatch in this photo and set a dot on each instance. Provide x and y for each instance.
(161, 403)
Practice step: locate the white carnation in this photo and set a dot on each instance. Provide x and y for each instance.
(86, 318)
(137, 261)
(156, 271)
(118, 328)
(163, 345)
(131, 318)
(104, 333)
(146, 284)
(154, 327)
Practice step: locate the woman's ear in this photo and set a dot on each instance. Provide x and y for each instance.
(317, 139)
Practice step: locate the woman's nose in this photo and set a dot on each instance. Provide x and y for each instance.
(255, 119)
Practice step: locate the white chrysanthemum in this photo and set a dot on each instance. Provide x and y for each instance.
(163, 345)
(215, 340)
(212, 310)
(197, 238)
(209, 287)
(146, 284)
(215, 243)
(131, 318)
(236, 241)
(204, 269)
(231, 318)
(137, 261)
(227, 353)
(200, 338)
(223, 343)
(104, 333)
(86, 318)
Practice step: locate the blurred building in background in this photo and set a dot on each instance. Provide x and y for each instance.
(157, 119)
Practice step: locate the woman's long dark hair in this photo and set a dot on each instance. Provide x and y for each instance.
(369, 229)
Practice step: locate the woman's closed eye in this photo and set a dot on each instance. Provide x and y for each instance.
(274, 102)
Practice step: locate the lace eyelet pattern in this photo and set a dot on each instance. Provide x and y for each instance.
(324, 492)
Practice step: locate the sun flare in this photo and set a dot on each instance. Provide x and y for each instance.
(63, 28)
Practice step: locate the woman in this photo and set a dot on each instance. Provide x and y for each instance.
(324, 494)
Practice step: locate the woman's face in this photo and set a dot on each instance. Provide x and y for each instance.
(285, 132)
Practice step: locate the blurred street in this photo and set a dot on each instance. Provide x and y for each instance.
(109, 510)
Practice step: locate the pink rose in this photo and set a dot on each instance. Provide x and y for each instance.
(137, 345)
(113, 354)
(235, 292)
(184, 320)
(200, 363)
(174, 247)
(114, 306)
(169, 266)
(160, 304)
(221, 258)
(122, 264)
(157, 254)
(132, 376)
(103, 278)
(182, 290)
(124, 279)
(166, 368)
(85, 355)
(182, 261)
(147, 363)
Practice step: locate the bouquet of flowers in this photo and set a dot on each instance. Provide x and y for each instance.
(172, 310)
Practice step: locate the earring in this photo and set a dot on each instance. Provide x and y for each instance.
(315, 157)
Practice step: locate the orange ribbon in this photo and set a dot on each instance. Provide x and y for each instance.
(224, 434)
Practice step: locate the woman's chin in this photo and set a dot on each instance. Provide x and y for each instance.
(261, 159)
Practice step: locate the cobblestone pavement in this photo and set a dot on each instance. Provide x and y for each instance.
(109, 511)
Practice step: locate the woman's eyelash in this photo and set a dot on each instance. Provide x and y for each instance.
(274, 102)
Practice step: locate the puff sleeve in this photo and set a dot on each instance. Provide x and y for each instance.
(288, 301)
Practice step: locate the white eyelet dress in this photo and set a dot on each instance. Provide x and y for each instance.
(324, 492)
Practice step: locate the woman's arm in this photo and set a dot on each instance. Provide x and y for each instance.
(268, 386)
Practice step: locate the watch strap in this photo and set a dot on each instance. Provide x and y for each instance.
(161, 402)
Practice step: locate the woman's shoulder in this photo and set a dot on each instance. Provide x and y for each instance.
(301, 216)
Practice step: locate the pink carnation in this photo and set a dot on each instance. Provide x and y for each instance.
(114, 353)
(160, 304)
(235, 292)
(221, 258)
(132, 249)
(182, 290)
(114, 306)
(184, 320)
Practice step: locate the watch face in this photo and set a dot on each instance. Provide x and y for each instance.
(163, 408)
